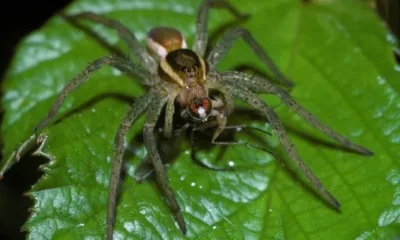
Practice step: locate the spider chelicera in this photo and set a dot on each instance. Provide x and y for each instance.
(178, 76)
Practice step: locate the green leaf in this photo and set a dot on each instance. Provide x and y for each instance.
(338, 54)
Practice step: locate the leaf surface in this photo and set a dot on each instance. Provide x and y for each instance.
(338, 54)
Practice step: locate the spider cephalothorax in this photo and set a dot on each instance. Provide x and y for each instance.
(184, 68)
(176, 75)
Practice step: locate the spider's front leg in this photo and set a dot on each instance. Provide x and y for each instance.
(161, 173)
(169, 114)
(253, 100)
(259, 84)
(119, 145)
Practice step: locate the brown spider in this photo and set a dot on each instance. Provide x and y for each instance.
(189, 79)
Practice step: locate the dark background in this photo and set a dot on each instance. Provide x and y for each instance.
(19, 19)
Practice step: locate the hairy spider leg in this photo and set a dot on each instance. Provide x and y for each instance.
(161, 174)
(119, 145)
(126, 35)
(261, 84)
(169, 115)
(252, 99)
(201, 39)
(74, 22)
(82, 77)
(226, 43)
(141, 175)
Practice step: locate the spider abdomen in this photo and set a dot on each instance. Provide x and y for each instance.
(162, 40)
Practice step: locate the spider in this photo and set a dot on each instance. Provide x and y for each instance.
(179, 77)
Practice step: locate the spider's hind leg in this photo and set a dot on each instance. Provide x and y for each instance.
(201, 40)
(226, 43)
(81, 78)
(125, 34)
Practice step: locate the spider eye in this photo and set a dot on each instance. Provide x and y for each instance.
(200, 108)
